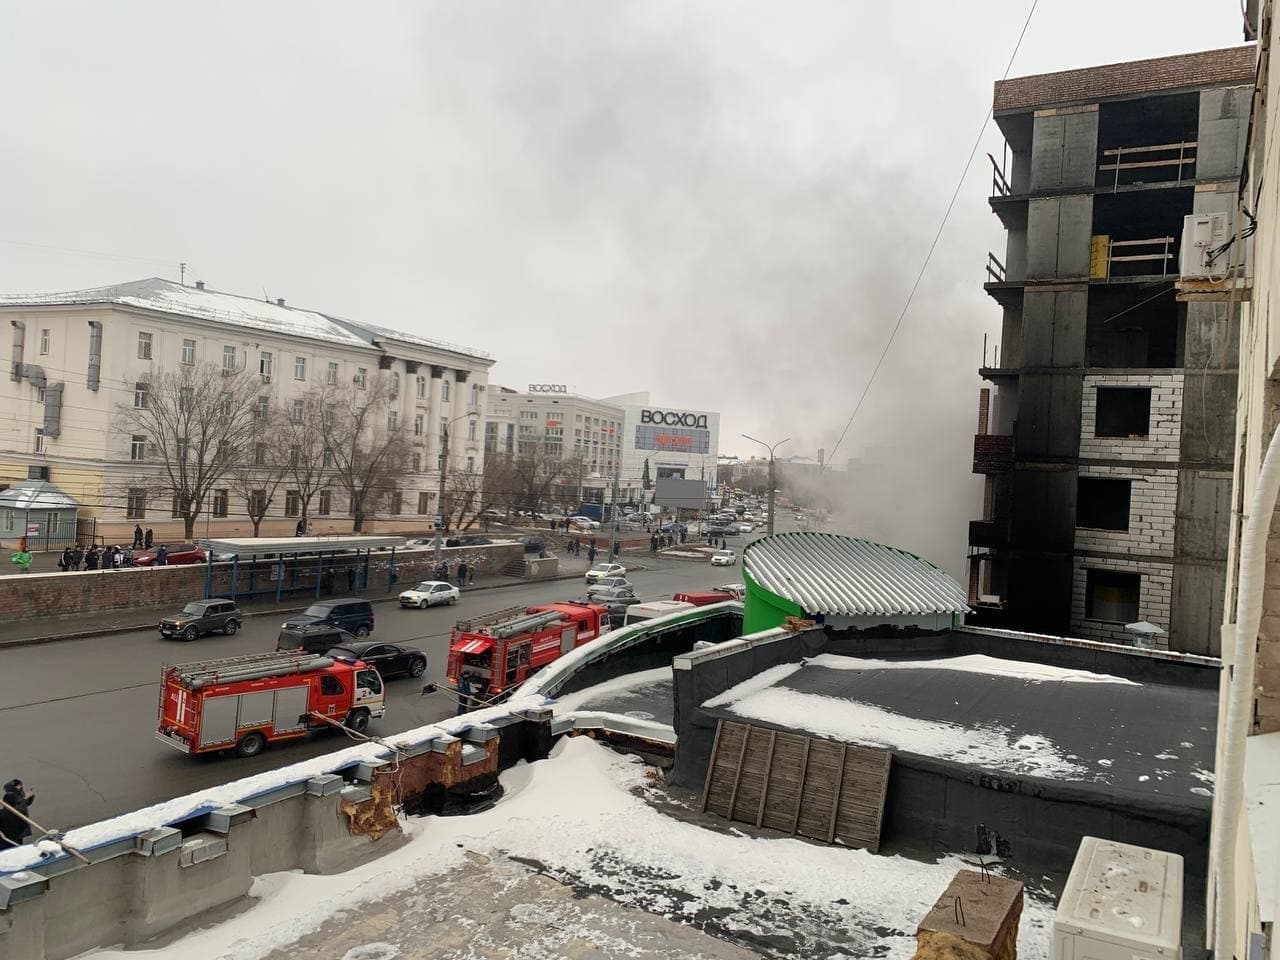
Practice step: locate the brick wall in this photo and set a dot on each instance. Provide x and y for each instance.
(1153, 598)
(1162, 441)
(1233, 65)
(60, 594)
(1153, 500)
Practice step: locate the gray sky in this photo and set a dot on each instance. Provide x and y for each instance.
(723, 203)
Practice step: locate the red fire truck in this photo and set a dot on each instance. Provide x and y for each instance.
(244, 703)
(491, 655)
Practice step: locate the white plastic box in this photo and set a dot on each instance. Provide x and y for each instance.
(1121, 902)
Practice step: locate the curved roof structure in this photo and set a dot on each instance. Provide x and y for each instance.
(831, 574)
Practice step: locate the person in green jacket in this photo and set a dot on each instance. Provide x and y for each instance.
(21, 560)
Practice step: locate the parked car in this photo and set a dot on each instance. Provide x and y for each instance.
(313, 638)
(601, 570)
(584, 523)
(724, 558)
(745, 527)
(492, 514)
(605, 583)
(624, 595)
(390, 659)
(201, 617)
(175, 555)
(736, 590)
(354, 616)
(429, 593)
(722, 531)
(674, 528)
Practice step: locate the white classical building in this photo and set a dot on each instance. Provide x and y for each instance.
(76, 358)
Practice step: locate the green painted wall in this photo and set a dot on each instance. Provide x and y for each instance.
(764, 610)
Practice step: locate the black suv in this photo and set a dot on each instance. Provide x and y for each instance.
(354, 616)
(200, 617)
(313, 638)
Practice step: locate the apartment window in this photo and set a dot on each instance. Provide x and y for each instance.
(292, 503)
(328, 457)
(471, 429)
(424, 502)
(422, 388)
(183, 447)
(144, 346)
(44, 342)
(39, 441)
(362, 376)
(264, 364)
(417, 463)
(418, 423)
(475, 396)
(229, 359)
(140, 391)
(395, 384)
(1102, 503)
(1123, 412)
(295, 411)
(221, 501)
(393, 419)
(258, 503)
(325, 502)
(294, 452)
(299, 368)
(136, 505)
(39, 394)
(471, 464)
(397, 502)
(444, 390)
(1112, 596)
(226, 405)
(331, 375)
(175, 507)
(259, 454)
(137, 447)
(262, 409)
(444, 426)
(188, 352)
(8, 519)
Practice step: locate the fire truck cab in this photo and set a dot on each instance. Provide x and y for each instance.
(491, 655)
(244, 703)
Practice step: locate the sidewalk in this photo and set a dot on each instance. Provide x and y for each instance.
(50, 629)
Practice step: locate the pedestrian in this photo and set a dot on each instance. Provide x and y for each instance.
(462, 574)
(616, 548)
(21, 559)
(137, 535)
(684, 536)
(351, 579)
(64, 561)
(300, 529)
(591, 554)
(117, 557)
(148, 538)
(91, 558)
(464, 694)
(13, 828)
(553, 526)
(471, 574)
(162, 556)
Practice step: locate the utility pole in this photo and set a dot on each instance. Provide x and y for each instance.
(773, 479)
(444, 464)
(613, 508)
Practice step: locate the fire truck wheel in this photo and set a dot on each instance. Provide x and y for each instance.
(418, 667)
(251, 744)
(191, 633)
(231, 627)
(362, 631)
(358, 720)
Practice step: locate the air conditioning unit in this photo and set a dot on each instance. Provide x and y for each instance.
(266, 378)
(1121, 902)
(1202, 232)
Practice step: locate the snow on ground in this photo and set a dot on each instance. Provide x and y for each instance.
(974, 663)
(992, 746)
(580, 818)
(616, 689)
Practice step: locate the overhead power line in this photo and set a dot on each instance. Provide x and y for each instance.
(932, 246)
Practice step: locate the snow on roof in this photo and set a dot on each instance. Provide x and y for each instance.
(974, 663)
(36, 495)
(262, 546)
(830, 574)
(375, 333)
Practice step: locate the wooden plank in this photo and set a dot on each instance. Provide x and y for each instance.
(737, 776)
(722, 768)
(768, 768)
(711, 767)
(835, 807)
(861, 810)
(1150, 241)
(784, 787)
(804, 768)
(751, 776)
(1116, 151)
(1146, 163)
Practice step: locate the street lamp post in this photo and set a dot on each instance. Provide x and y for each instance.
(444, 463)
(773, 483)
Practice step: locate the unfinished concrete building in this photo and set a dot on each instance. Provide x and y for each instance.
(1106, 435)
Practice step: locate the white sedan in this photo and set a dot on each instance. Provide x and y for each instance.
(429, 593)
(602, 570)
(724, 558)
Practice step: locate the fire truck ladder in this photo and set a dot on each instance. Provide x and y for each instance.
(475, 624)
(528, 624)
(255, 666)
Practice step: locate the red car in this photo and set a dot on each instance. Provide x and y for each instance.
(176, 553)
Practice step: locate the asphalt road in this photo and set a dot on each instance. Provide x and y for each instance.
(79, 715)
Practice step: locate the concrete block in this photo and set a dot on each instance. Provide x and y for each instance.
(208, 871)
(976, 918)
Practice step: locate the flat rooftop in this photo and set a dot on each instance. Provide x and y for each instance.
(1150, 744)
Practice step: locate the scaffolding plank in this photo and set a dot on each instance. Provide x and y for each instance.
(1116, 151)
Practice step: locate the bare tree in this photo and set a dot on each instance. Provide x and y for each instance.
(189, 423)
(261, 466)
(369, 452)
(302, 434)
(535, 471)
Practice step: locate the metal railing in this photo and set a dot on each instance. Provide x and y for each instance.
(999, 182)
(995, 269)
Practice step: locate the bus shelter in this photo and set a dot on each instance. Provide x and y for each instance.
(264, 566)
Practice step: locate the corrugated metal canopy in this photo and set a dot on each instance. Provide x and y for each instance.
(830, 574)
(261, 546)
(36, 495)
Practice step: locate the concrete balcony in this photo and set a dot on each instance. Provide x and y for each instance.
(988, 533)
(992, 453)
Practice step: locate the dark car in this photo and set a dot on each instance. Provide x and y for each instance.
(533, 544)
(722, 531)
(175, 555)
(617, 599)
(390, 659)
(200, 617)
(314, 638)
(354, 616)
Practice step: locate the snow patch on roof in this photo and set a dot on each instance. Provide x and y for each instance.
(975, 663)
(623, 685)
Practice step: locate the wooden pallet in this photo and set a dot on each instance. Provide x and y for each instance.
(802, 785)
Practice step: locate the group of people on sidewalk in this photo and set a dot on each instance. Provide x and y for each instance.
(466, 574)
